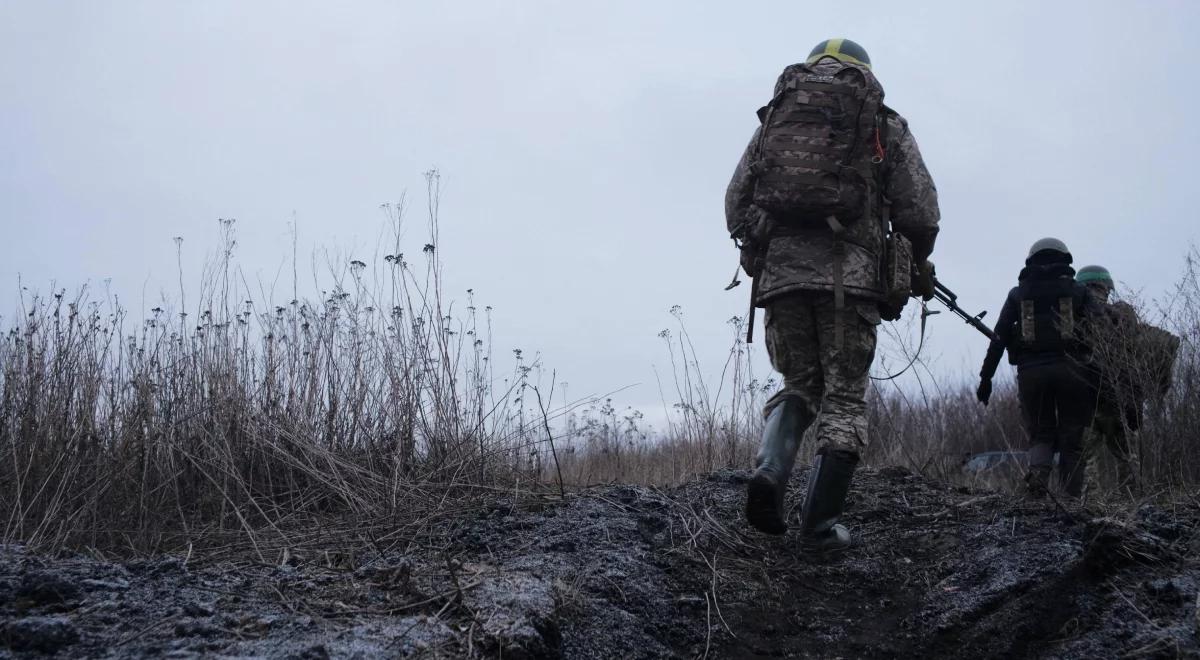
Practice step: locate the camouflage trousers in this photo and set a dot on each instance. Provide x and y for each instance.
(1108, 431)
(831, 381)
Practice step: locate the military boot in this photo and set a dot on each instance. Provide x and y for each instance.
(828, 485)
(776, 457)
(1126, 476)
(1037, 479)
(1070, 472)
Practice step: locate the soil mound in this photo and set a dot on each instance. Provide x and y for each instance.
(632, 572)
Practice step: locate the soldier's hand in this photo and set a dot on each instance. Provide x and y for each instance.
(922, 284)
(984, 392)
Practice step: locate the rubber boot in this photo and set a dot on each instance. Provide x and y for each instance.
(1126, 476)
(1070, 472)
(776, 457)
(1037, 482)
(1037, 479)
(1070, 460)
(828, 485)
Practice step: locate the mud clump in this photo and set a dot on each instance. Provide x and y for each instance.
(44, 634)
(45, 588)
(634, 572)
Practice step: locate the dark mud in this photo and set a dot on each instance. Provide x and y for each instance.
(627, 572)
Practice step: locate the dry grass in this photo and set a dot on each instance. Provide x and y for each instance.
(252, 421)
(929, 427)
(268, 425)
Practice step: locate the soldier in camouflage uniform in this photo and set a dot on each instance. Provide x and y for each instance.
(1118, 407)
(821, 286)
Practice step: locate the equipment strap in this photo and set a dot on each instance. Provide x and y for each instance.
(925, 313)
(784, 177)
(803, 131)
(810, 102)
(885, 204)
(839, 282)
(828, 88)
(807, 163)
(788, 145)
(753, 308)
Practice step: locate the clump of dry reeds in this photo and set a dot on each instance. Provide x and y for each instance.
(711, 423)
(253, 421)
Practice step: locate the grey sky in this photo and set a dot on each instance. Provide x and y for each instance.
(585, 148)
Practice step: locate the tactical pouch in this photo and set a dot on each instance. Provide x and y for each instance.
(897, 276)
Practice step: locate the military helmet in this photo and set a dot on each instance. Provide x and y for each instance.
(1049, 245)
(842, 50)
(1094, 274)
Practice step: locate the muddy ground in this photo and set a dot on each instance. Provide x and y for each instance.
(629, 572)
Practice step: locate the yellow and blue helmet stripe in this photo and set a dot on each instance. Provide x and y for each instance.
(842, 50)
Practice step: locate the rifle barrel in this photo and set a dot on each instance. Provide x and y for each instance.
(947, 298)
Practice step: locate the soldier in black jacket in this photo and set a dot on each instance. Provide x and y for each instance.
(1043, 325)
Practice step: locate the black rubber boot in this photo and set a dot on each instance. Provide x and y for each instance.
(1037, 479)
(776, 457)
(828, 485)
(1037, 482)
(1127, 481)
(1070, 472)
(1071, 464)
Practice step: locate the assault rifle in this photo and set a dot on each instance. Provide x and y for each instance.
(950, 300)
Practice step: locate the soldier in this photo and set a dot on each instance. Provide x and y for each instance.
(1117, 408)
(1043, 326)
(828, 175)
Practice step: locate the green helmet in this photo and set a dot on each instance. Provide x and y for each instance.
(1097, 274)
(1048, 245)
(842, 50)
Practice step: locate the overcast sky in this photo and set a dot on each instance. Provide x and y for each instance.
(585, 147)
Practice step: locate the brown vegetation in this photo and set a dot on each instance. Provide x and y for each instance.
(253, 424)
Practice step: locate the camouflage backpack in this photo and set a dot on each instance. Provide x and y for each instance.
(819, 143)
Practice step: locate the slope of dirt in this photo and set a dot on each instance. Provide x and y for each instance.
(634, 572)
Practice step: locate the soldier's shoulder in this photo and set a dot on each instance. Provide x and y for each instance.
(1124, 307)
(790, 71)
(1124, 310)
(895, 118)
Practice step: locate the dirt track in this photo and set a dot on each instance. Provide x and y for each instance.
(631, 572)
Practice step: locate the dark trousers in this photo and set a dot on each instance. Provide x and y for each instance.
(1057, 403)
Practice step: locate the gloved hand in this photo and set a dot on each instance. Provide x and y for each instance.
(922, 283)
(984, 393)
(751, 259)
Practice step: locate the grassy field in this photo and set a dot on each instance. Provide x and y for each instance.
(256, 423)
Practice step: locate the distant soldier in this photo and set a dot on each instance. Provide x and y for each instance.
(827, 177)
(1043, 325)
(1135, 361)
(1118, 406)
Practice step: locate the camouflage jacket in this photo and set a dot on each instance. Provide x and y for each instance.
(803, 261)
